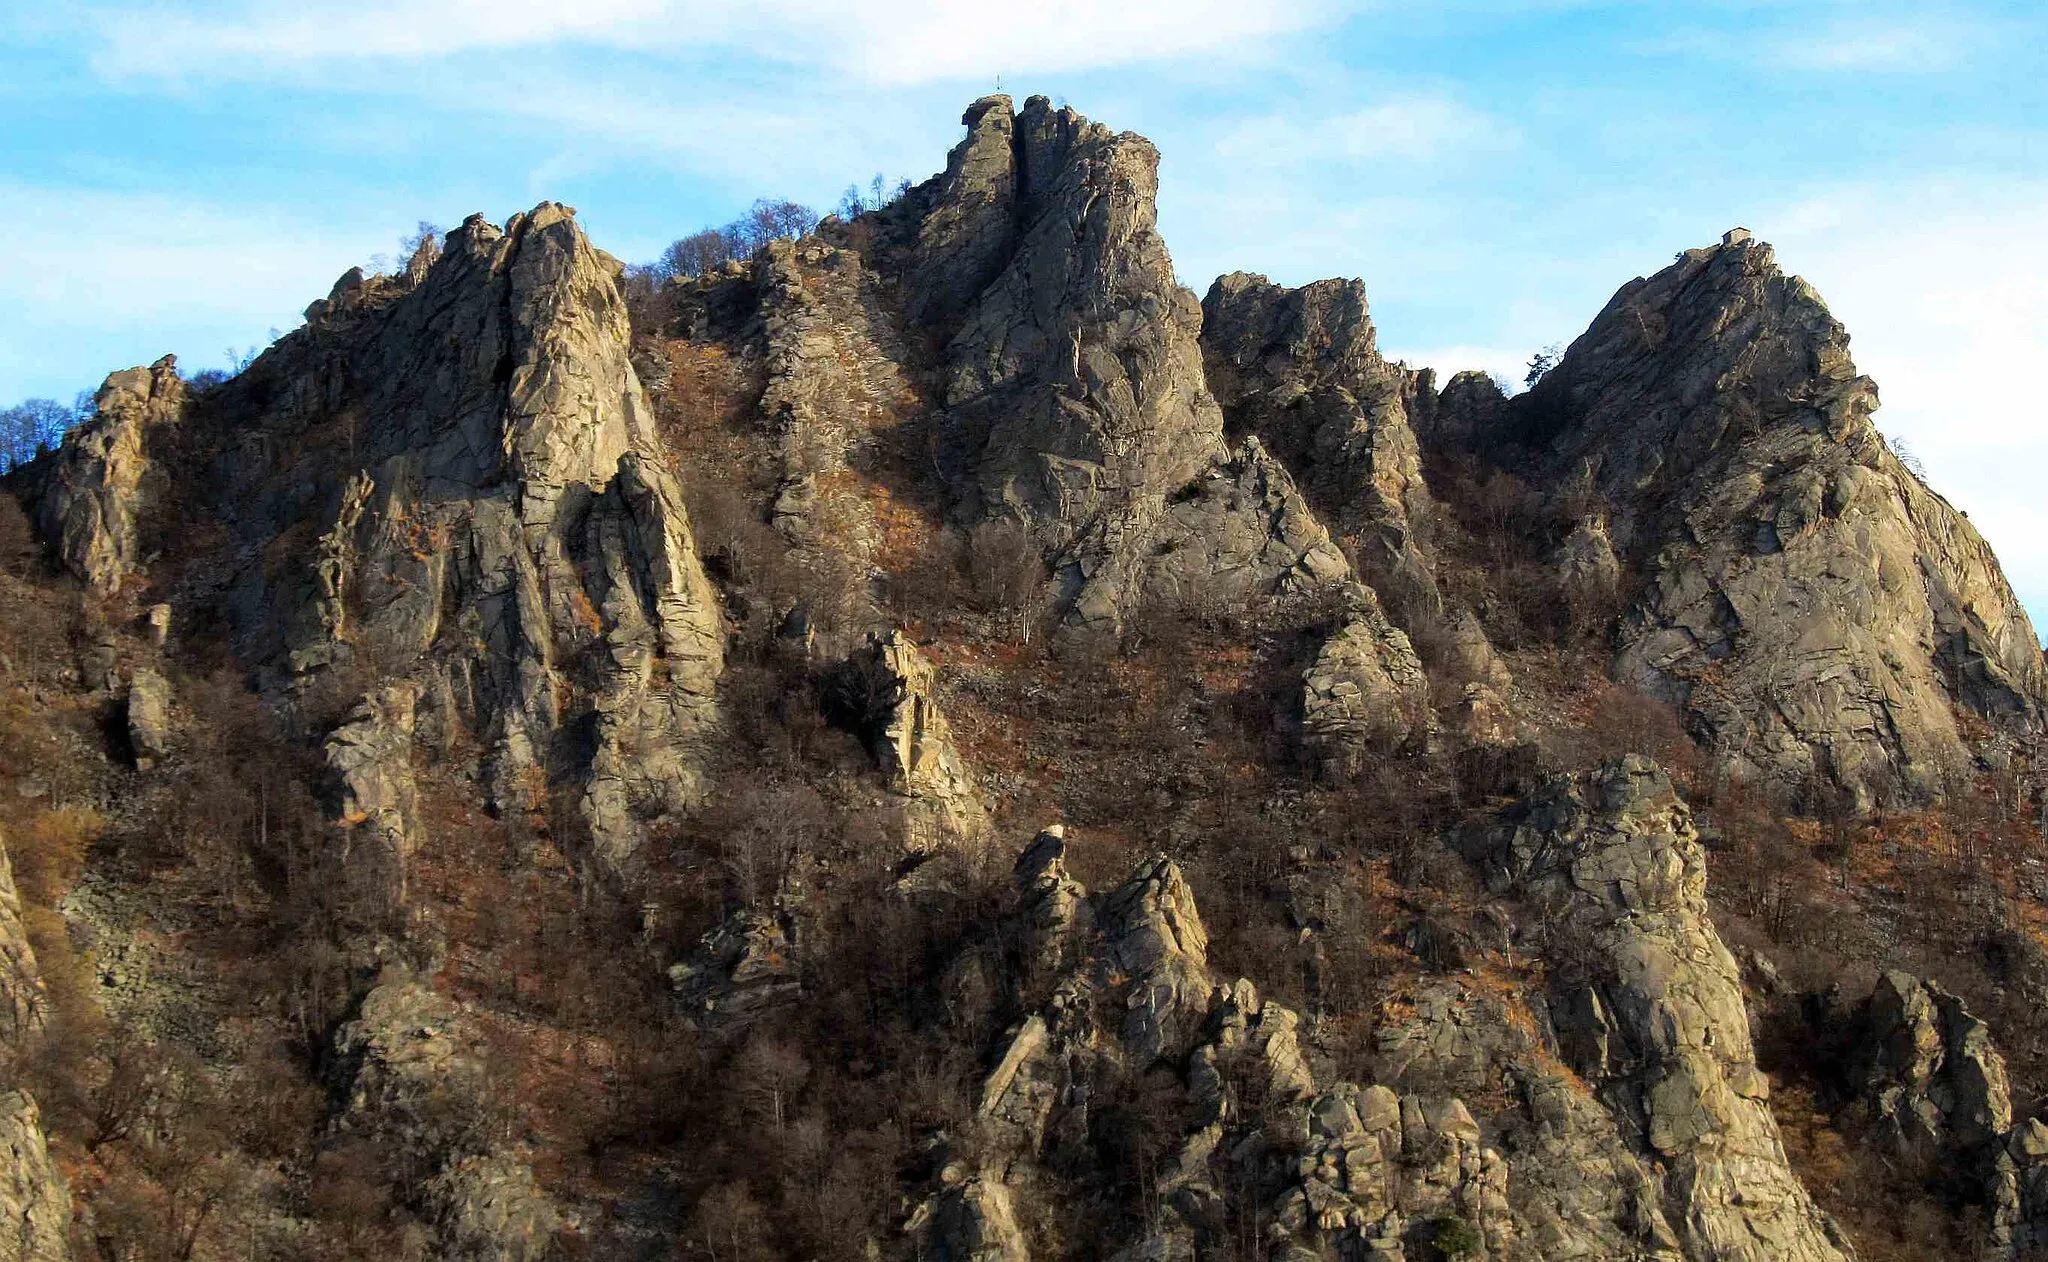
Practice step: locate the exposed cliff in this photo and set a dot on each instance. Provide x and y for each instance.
(449, 478)
(1810, 603)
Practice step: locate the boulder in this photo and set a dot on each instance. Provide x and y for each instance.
(412, 1072)
(916, 748)
(1365, 693)
(744, 966)
(149, 716)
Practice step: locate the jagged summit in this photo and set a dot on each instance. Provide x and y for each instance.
(447, 484)
(1804, 596)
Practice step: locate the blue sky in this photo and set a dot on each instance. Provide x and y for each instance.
(186, 177)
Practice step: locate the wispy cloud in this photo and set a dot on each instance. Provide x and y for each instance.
(1824, 38)
(888, 42)
(115, 271)
(1406, 128)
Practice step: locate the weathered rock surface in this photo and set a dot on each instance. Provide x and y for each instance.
(1936, 1089)
(1366, 692)
(35, 1202)
(1813, 606)
(1239, 532)
(744, 966)
(454, 481)
(371, 755)
(1074, 390)
(1127, 993)
(23, 999)
(1301, 368)
(1654, 1016)
(917, 751)
(836, 397)
(93, 494)
(1075, 398)
(413, 1073)
(149, 716)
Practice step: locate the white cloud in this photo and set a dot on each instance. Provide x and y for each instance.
(887, 42)
(1918, 45)
(1822, 38)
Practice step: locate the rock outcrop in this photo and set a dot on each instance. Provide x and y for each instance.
(454, 481)
(1075, 398)
(412, 1072)
(744, 966)
(1074, 392)
(1365, 693)
(371, 756)
(23, 1000)
(1121, 996)
(1816, 610)
(1935, 1089)
(91, 498)
(1649, 1007)
(149, 716)
(1301, 368)
(35, 1203)
(942, 802)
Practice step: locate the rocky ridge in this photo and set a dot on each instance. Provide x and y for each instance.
(445, 535)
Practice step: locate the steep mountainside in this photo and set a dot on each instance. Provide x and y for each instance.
(931, 742)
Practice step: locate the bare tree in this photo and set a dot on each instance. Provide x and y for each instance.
(31, 427)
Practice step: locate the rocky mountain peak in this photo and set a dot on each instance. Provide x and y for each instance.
(1843, 610)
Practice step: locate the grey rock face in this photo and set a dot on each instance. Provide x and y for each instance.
(1130, 990)
(1366, 692)
(1815, 607)
(924, 766)
(35, 1202)
(90, 499)
(1074, 396)
(974, 1221)
(149, 716)
(836, 393)
(492, 1210)
(456, 483)
(371, 755)
(23, 1000)
(412, 1073)
(1658, 1020)
(1240, 531)
(1301, 369)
